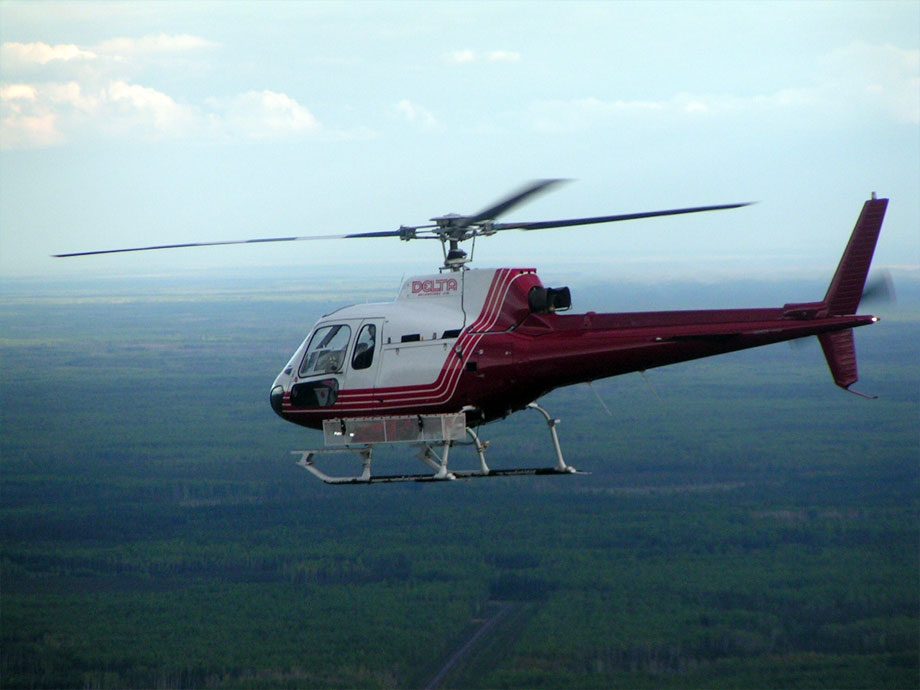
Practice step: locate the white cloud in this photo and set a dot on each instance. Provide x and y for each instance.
(50, 104)
(28, 131)
(15, 92)
(51, 113)
(461, 57)
(24, 122)
(17, 56)
(882, 77)
(263, 115)
(878, 84)
(70, 94)
(466, 56)
(503, 56)
(154, 44)
(695, 106)
(141, 108)
(585, 113)
(26, 57)
(416, 114)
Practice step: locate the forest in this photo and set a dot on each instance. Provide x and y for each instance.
(744, 523)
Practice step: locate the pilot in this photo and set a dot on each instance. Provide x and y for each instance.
(364, 350)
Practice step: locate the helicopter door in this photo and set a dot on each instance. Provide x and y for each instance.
(361, 372)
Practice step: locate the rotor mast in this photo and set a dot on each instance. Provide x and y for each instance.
(451, 230)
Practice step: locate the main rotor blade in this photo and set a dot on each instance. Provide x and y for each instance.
(509, 202)
(383, 233)
(541, 225)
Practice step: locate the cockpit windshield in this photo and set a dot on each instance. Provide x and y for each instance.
(326, 352)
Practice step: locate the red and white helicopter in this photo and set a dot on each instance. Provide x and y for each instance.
(463, 347)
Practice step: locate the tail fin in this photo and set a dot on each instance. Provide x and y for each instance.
(847, 286)
(845, 292)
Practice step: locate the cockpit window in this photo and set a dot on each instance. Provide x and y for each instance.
(326, 352)
(364, 348)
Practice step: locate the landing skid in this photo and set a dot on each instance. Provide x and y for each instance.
(435, 435)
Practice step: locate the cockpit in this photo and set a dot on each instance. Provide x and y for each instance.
(326, 351)
(325, 363)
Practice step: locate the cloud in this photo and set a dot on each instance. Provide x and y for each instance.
(416, 114)
(16, 92)
(29, 131)
(54, 105)
(861, 82)
(882, 77)
(262, 115)
(22, 124)
(153, 45)
(26, 58)
(587, 113)
(136, 107)
(70, 94)
(52, 113)
(462, 57)
(17, 54)
(466, 56)
(503, 56)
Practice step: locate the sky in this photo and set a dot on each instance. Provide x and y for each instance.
(132, 124)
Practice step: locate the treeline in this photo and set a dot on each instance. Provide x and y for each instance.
(384, 582)
(155, 533)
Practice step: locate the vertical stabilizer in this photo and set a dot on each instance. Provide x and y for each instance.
(846, 290)
(840, 352)
(847, 286)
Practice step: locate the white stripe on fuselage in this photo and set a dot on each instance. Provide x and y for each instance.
(445, 384)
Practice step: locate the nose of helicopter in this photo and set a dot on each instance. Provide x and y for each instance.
(276, 398)
(279, 385)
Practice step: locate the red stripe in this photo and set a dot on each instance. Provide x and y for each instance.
(453, 366)
(445, 384)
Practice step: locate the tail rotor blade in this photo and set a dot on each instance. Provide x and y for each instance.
(879, 290)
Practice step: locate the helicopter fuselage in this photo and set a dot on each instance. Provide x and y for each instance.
(491, 341)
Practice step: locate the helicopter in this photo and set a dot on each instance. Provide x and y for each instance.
(465, 346)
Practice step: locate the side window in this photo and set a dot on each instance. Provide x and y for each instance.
(315, 394)
(326, 352)
(364, 348)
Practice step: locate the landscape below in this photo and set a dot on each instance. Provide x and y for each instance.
(745, 523)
